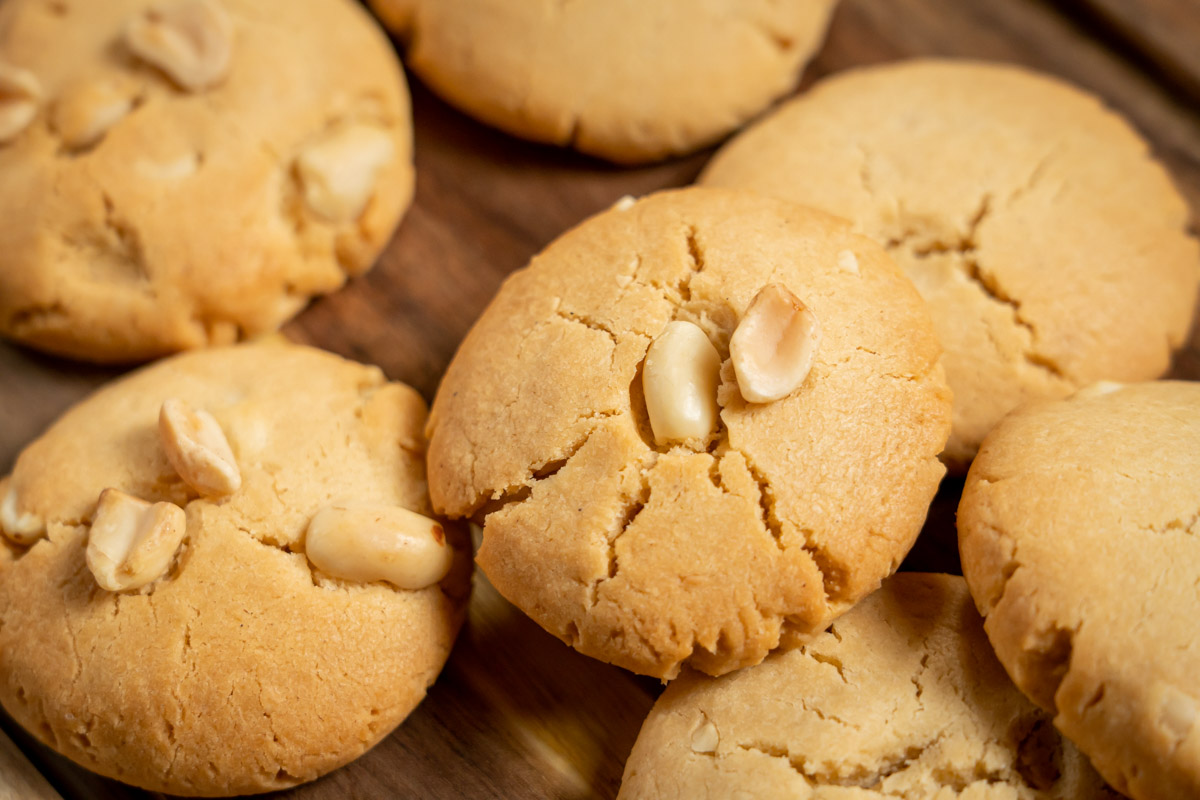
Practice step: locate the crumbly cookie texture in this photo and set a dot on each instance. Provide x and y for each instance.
(626, 80)
(710, 549)
(241, 668)
(1051, 248)
(901, 698)
(185, 179)
(1079, 530)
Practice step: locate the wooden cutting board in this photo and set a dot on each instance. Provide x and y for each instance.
(516, 714)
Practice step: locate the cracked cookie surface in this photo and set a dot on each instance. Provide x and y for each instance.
(626, 80)
(244, 668)
(181, 220)
(649, 556)
(901, 698)
(1051, 248)
(1079, 529)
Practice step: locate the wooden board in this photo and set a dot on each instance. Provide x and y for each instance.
(19, 779)
(1164, 33)
(516, 713)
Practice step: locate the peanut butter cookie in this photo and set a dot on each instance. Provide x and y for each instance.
(195, 172)
(627, 80)
(1051, 247)
(901, 698)
(1079, 529)
(693, 426)
(219, 574)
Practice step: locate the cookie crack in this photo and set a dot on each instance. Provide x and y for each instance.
(187, 659)
(72, 634)
(866, 177)
(825, 658)
(1036, 175)
(830, 573)
(918, 687)
(780, 42)
(265, 712)
(766, 504)
(964, 248)
(1010, 567)
(870, 779)
(540, 472)
(695, 262)
(794, 762)
(992, 288)
(266, 540)
(679, 293)
(124, 242)
(826, 716)
(38, 315)
(631, 506)
(1190, 527)
(588, 322)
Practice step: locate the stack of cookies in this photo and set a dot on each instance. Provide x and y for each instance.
(698, 432)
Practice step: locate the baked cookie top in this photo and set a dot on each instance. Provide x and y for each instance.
(1080, 538)
(1051, 248)
(627, 80)
(769, 521)
(195, 172)
(902, 697)
(220, 659)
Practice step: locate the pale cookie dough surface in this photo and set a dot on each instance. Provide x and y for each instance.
(186, 223)
(649, 556)
(901, 698)
(627, 80)
(1050, 246)
(243, 669)
(1079, 530)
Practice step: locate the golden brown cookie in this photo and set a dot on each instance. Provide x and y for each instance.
(194, 172)
(902, 697)
(627, 80)
(1051, 248)
(220, 660)
(1080, 537)
(771, 519)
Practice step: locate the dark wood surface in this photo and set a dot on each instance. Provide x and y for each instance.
(1166, 33)
(516, 713)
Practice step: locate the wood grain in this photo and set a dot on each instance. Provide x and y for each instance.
(516, 713)
(1164, 32)
(19, 779)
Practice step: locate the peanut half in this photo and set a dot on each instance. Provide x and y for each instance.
(679, 379)
(338, 170)
(1177, 715)
(197, 449)
(132, 542)
(706, 738)
(773, 346)
(21, 527)
(85, 113)
(20, 97)
(847, 261)
(379, 543)
(189, 40)
(1099, 389)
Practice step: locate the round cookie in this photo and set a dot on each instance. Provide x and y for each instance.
(1080, 540)
(902, 697)
(243, 668)
(626, 80)
(1051, 248)
(195, 172)
(712, 550)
